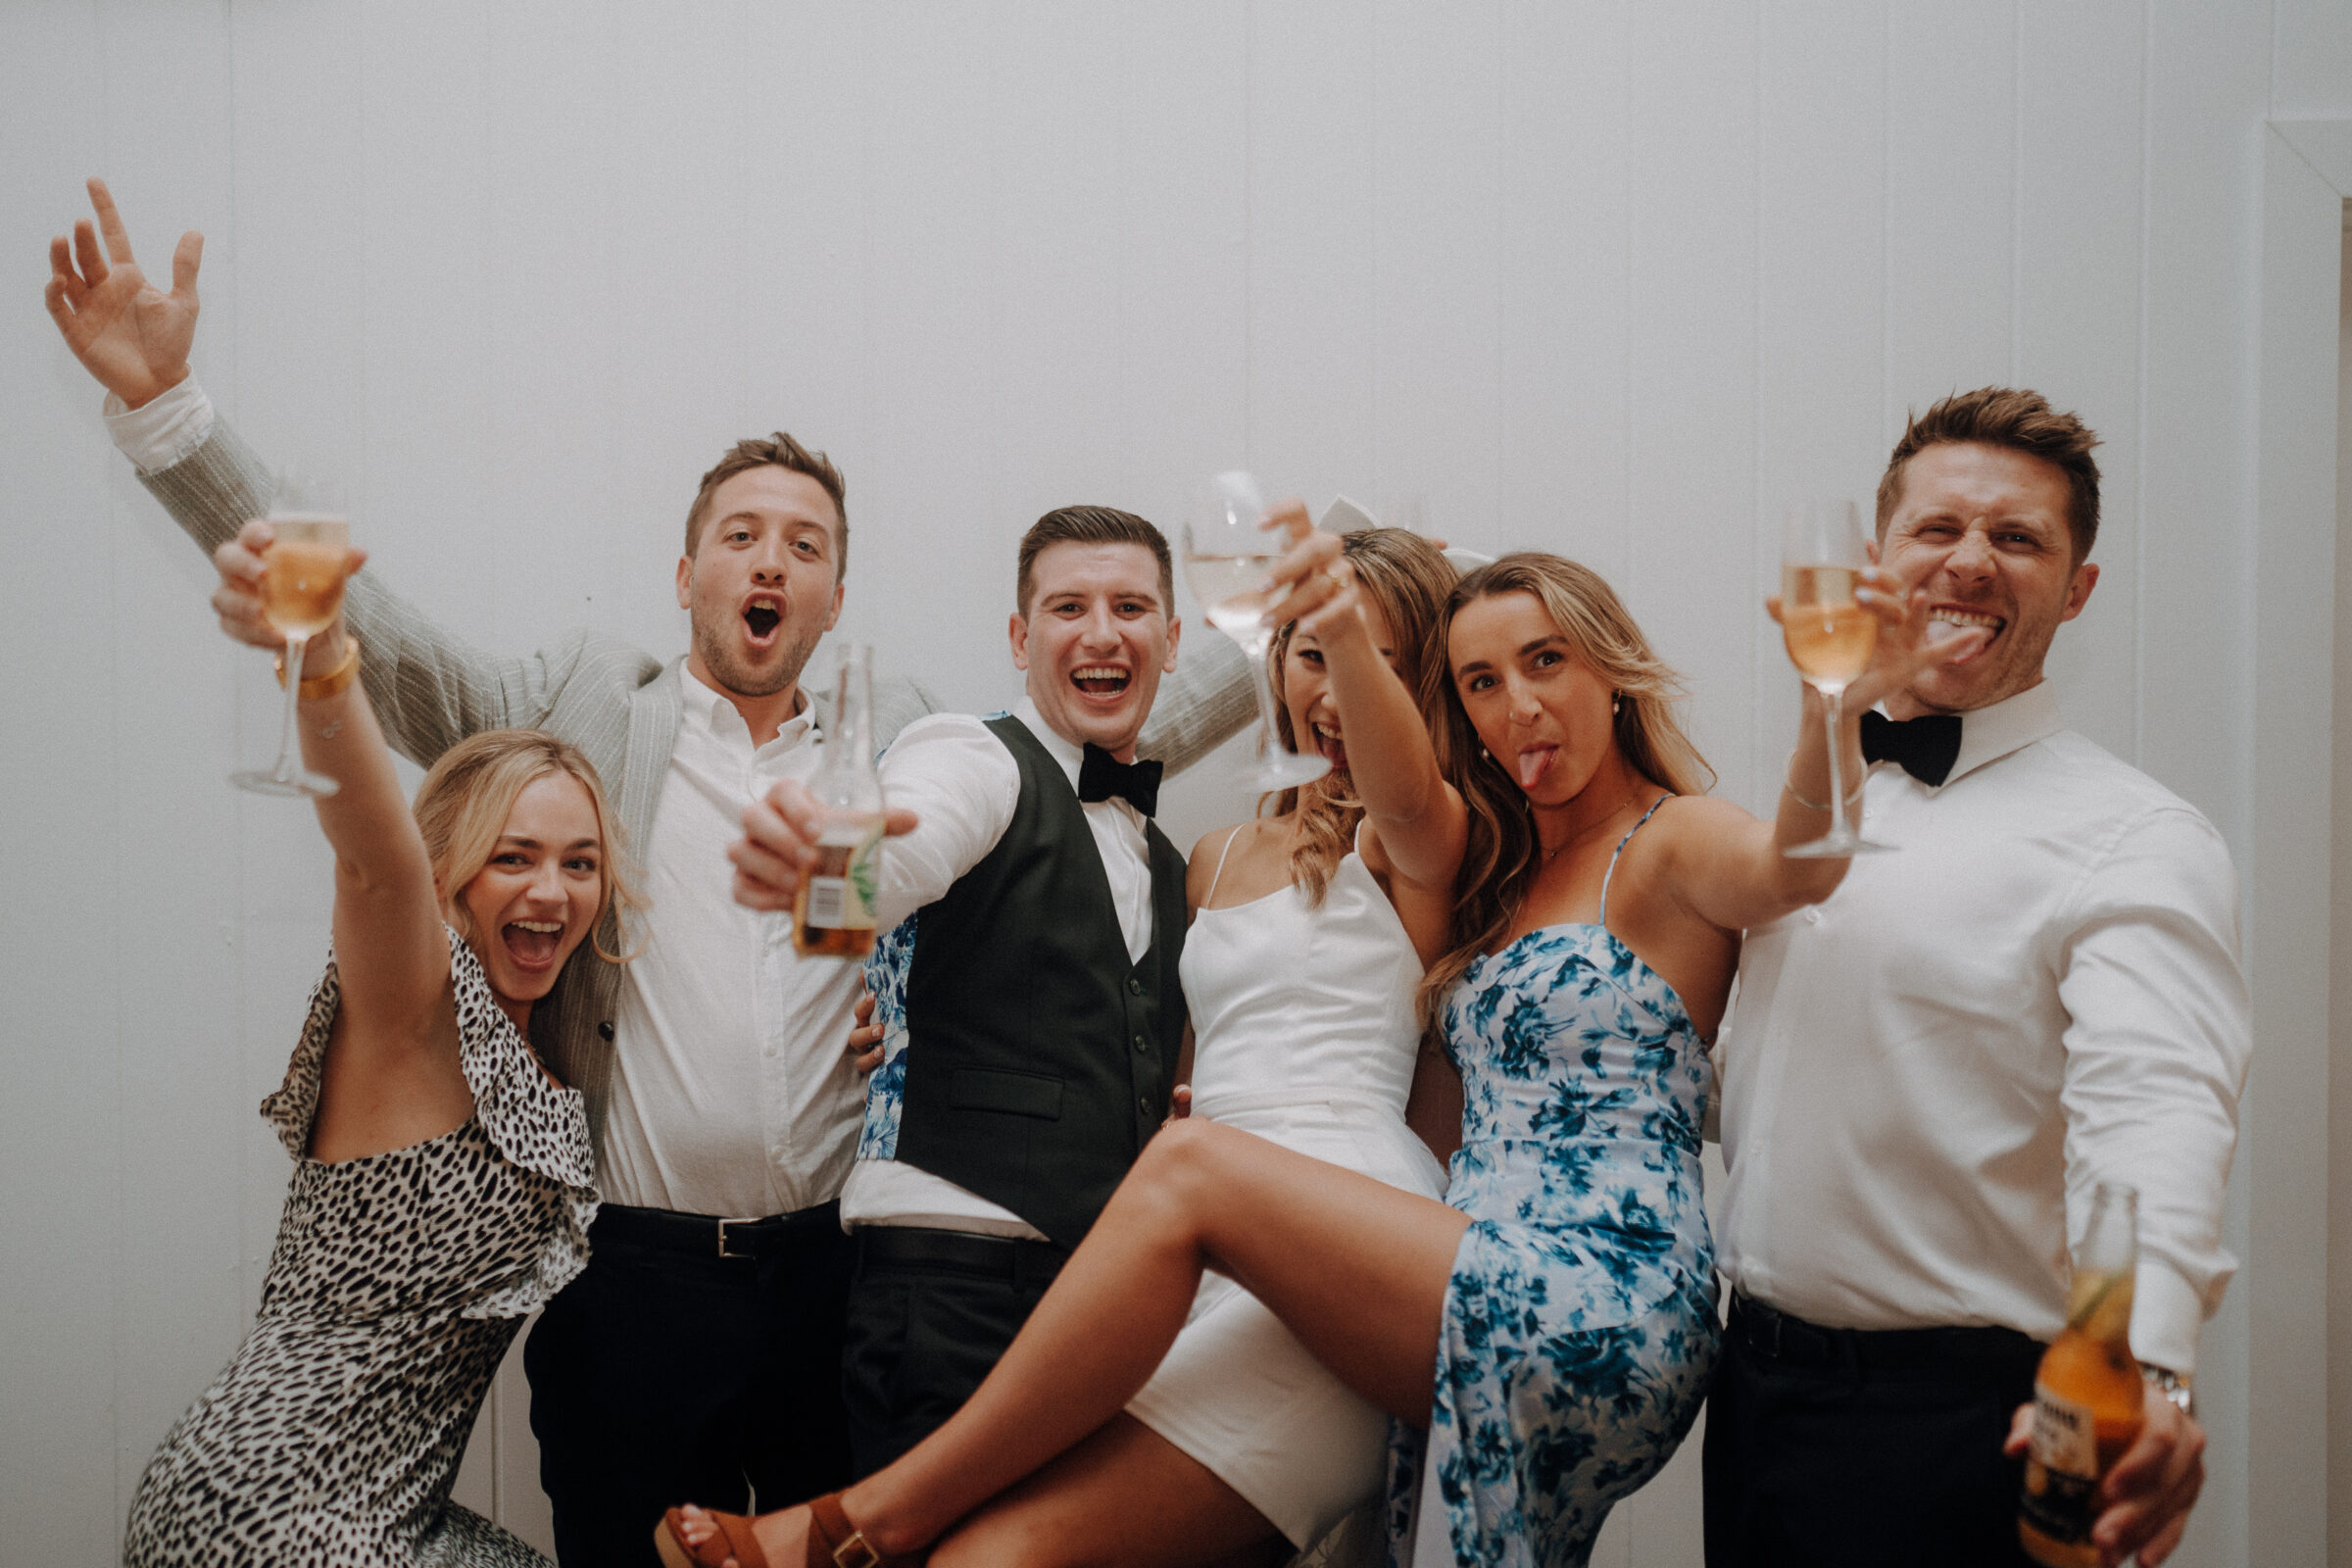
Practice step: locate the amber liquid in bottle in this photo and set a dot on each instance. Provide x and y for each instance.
(833, 913)
(2088, 1395)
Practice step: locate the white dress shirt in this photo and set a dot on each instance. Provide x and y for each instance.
(962, 785)
(730, 1091)
(1924, 1076)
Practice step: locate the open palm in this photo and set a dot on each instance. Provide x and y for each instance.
(127, 333)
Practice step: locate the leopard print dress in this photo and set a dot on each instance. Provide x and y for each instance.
(398, 1279)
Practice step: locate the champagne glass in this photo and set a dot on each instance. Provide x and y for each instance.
(1830, 636)
(302, 593)
(1227, 553)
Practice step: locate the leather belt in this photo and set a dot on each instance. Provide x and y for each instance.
(1786, 1339)
(710, 1235)
(1011, 1258)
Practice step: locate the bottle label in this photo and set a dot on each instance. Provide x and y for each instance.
(2062, 1468)
(841, 887)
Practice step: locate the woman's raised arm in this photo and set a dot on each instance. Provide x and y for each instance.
(1731, 868)
(391, 956)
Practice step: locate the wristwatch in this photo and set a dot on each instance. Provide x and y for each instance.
(2173, 1385)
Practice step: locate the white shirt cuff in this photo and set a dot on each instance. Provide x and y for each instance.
(2166, 1314)
(163, 430)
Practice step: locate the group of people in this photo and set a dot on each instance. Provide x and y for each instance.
(1340, 1181)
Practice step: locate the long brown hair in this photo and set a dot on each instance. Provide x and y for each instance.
(1409, 579)
(462, 806)
(1504, 854)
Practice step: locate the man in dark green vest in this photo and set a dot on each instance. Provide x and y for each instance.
(1030, 997)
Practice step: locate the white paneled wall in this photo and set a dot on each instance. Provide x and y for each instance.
(1614, 278)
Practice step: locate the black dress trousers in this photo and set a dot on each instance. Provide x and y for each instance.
(670, 1373)
(930, 1313)
(1834, 1448)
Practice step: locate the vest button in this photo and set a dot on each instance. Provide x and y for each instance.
(1143, 1103)
(1143, 1045)
(1134, 986)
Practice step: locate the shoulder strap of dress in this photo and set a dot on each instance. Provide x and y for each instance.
(1620, 849)
(1211, 894)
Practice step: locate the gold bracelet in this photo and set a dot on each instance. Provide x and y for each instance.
(315, 687)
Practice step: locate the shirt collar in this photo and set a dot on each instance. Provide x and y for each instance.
(715, 713)
(1989, 734)
(1069, 753)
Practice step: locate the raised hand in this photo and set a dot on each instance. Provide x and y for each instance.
(127, 333)
(238, 598)
(780, 830)
(1303, 576)
(1905, 645)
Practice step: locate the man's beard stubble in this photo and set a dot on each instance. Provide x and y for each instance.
(744, 680)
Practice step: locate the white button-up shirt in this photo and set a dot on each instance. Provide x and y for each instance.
(731, 1094)
(963, 785)
(1924, 1076)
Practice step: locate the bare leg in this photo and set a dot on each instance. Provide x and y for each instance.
(1125, 1495)
(1355, 1267)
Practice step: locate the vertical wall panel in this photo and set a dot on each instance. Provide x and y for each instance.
(2078, 310)
(59, 1163)
(1436, 212)
(1563, 326)
(1951, 129)
(1820, 325)
(1689, 575)
(1313, 238)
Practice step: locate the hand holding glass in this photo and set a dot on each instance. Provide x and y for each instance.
(1227, 553)
(1831, 637)
(302, 593)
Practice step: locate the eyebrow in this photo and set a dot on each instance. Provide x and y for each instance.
(521, 843)
(1525, 649)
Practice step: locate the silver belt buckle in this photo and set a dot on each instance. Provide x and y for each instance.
(722, 1236)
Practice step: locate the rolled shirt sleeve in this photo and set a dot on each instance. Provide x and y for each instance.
(2157, 1047)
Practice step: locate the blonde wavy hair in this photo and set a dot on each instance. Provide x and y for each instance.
(1504, 854)
(462, 806)
(1407, 578)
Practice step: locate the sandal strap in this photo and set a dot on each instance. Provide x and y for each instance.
(737, 1529)
(734, 1538)
(835, 1543)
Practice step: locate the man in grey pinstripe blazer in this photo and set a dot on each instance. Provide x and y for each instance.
(718, 1283)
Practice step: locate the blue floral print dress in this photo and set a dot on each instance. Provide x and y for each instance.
(1580, 1325)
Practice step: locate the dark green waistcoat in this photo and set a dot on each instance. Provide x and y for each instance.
(1039, 1058)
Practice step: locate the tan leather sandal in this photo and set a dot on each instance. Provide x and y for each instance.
(734, 1540)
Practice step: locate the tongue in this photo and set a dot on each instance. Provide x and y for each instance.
(1532, 763)
(531, 947)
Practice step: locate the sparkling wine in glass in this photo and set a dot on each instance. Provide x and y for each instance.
(1831, 637)
(302, 593)
(1227, 553)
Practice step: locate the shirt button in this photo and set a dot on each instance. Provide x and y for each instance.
(1812, 916)
(1135, 987)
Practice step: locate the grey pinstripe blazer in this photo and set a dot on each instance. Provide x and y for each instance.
(618, 704)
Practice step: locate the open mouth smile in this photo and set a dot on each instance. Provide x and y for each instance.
(1333, 748)
(761, 615)
(533, 944)
(1100, 680)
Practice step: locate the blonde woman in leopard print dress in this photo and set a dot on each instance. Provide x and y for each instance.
(442, 1178)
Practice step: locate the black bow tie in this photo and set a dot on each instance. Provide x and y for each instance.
(1102, 775)
(1926, 746)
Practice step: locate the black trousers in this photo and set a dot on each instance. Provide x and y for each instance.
(666, 1373)
(930, 1313)
(1829, 1446)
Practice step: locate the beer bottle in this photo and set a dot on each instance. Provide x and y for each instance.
(833, 916)
(2087, 1397)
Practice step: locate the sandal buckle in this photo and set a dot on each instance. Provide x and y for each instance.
(856, 1553)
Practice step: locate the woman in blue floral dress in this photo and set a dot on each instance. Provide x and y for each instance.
(1552, 1324)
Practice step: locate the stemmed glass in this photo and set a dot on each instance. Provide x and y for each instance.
(302, 593)
(1831, 637)
(1227, 553)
